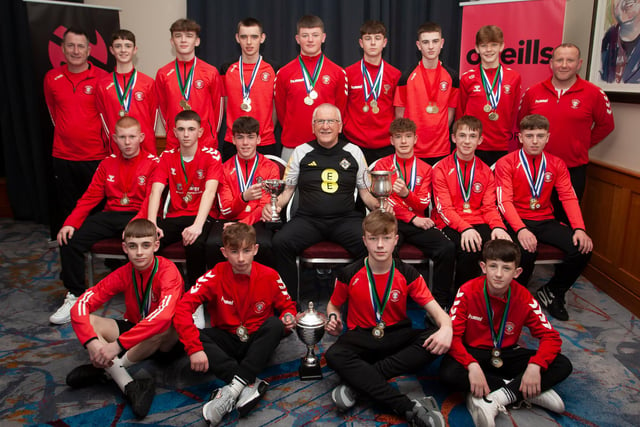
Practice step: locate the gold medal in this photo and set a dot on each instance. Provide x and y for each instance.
(496, 362)
(495, 352)
(247, 209)
(365, 108)
(245, 107)
(313, 94)
(533, 204)
(308, 100)
(466, 207)
(374, 103)
(124, 200)
(432, 109)
(493, 116)
(487, 108)
(122, 113)
(242, 333)
(375, 110)
(378, 331)
(185, 105)
(187, 198)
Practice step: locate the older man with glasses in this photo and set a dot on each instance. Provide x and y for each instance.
(326, 173)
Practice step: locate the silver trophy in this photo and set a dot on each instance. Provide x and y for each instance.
(274, 187)
(380, 186)
(310, 329)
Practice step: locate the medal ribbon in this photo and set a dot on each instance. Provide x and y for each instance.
(497, 336)
(372, 88)
(142, 296)
(414, 172)
(124, 94)
(465, 189)
(127, 171)
(246, 89)
(378, 306)
(242, 184)
(184, 171)
(185, 87)
(431, 88)
(534, 186)
(310, 81)
(494, 90)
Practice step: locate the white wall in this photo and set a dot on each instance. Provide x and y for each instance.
(150, 21)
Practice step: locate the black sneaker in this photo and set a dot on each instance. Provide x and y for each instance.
(86, 375)
(420, 416)
(552, 303)
(140, 394)
(250, 396)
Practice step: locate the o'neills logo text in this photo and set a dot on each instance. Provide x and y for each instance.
(529, 52)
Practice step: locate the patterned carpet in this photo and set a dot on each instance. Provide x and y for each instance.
(602, 340)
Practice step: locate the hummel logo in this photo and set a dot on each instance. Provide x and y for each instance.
(111, 178)
(313, 163)
(540, 101)
(478, 318)
(224, 301)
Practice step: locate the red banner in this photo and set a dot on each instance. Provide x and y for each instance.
(531, 30)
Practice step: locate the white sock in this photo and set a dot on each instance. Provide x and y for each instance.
(503, 396)
(119, 374)
(126, 363)
(236, 386)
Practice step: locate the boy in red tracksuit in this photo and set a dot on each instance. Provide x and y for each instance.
(380, 342)
(464, 191)
(525, 180)
(372, 86)
(127, 92)
(240, 196)
(410, 199)
(308, 81)
(242, 297)
(122, 180)
(192, 173)
(485, 359)
(152, 286)
(491, 92)
(189, 83)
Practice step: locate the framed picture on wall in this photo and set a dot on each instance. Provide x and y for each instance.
(614, 63)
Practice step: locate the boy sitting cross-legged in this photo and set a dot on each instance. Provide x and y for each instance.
(485, 359)
(241, 297)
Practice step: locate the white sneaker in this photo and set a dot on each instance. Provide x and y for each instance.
(222, 403)
(63, 314)
(198, 317)
(344, 397)
(484, 411)
(250, 396)
(549, 400)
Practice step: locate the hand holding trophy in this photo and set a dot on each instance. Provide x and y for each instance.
(380, 185)
(274, 187)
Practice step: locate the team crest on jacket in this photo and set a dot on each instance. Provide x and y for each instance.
(200, 174)
(326, 79)
(444, 86)
(266, 76)
(259, 307)
(477, 187)
(199, 84)
(139, 96)
(179, 187)
(387, 88)
(344, 164)
(88, 89)
(509, 328)
(548, 176)
(395, 295)
(507, 89)
(142, 180)
(575, 104)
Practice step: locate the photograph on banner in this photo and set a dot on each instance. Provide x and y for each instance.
(615, 54)
(531, 30)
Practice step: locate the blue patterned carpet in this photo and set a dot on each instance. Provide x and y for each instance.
(602, 340)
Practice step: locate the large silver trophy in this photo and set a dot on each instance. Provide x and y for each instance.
(380, 186)
(274, 187)
(310, 330)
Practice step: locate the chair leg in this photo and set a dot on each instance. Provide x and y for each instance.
(90, 267)
(298, 285)
(430, 272)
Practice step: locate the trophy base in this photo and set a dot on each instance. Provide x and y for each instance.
(309, 373)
